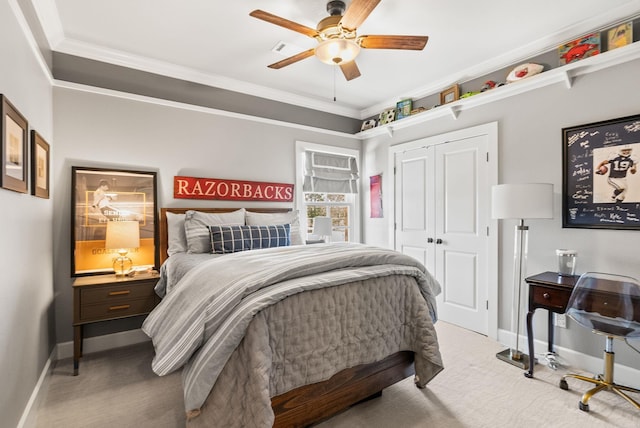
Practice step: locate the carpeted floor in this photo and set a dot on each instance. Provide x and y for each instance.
(117, 389)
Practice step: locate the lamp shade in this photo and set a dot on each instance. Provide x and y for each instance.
(522, 201)
(337, 51)
(122, 234)
(322, 226)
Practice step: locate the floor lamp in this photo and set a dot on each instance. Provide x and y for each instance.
(520, 201)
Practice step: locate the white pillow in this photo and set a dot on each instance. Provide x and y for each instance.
(271, 219)
(176, 238)
(197, 232)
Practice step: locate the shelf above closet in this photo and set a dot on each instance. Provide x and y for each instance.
(565, 74)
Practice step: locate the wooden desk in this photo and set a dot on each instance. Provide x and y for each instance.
(550, 291)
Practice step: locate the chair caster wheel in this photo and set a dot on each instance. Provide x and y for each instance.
(583, 407)
(564, 385)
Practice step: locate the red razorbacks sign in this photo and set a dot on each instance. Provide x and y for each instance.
(230, 190)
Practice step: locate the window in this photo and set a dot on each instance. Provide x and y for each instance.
(331, 198)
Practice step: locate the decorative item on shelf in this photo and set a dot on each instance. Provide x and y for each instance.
(418, 110)
(578, 49)
(387, 116)
(368, 124)
(520, 201)
(403, 109)
(523, 71)
(469, 94)
(450, 95)
(122, 236)
(490, 84)
(322, 227)
(620, 36)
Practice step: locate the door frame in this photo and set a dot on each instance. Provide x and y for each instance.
(491, 131)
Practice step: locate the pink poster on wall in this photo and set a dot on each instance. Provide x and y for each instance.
(375, 185)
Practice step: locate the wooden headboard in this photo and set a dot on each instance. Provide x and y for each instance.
(164, 241)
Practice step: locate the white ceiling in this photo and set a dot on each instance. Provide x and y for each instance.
(217, 43)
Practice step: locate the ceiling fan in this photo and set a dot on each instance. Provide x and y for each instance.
(336, 34)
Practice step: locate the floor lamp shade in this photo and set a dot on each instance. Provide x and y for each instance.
(520, 201)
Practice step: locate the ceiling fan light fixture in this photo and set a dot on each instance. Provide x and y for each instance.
(337, 51)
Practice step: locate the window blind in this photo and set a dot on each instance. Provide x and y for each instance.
(330, 173)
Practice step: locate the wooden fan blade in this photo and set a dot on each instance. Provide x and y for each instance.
(416, 43)
(274, 19)
(292, 59)
(350, 70)
(356, 13)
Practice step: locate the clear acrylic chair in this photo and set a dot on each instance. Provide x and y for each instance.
(609, 305)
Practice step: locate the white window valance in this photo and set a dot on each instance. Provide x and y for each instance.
(330, 173)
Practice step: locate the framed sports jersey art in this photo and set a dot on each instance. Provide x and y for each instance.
(601, 184)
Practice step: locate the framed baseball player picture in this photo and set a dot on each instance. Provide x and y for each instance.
(601, 186)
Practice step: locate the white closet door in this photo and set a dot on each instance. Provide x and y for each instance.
(462, 241)
(413, 209)
(441, 210)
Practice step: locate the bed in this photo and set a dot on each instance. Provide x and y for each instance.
(286, 335)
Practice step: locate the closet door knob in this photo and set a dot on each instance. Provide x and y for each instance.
(438, 241)
(429, 240)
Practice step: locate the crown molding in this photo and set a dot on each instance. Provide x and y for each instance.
(26, 30)
(124, 59)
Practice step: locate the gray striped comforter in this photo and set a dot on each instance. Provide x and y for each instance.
(203, 320)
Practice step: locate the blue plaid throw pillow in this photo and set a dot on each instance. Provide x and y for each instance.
(230, 239)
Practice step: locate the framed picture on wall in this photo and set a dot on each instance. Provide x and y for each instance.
(14, 155)
(100, 196)
(375, 189)
(39, 166)
(601, 183)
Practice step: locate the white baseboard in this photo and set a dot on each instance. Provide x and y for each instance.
(30, 413)
(103, 343)
(65, 350)
(574, 359)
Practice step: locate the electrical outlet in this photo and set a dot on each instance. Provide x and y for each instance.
(560, 320)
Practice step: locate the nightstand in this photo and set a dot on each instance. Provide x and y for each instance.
(550, 291)
(107, 297)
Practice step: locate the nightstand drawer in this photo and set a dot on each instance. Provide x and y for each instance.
(551, 298)
(110, 293)
(116, 309)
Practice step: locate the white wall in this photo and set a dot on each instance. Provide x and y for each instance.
(26, 289)
(99, 130)
(530, 150)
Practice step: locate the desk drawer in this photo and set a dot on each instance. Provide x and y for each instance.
(550, 298)
(120, 309)
(110, 293)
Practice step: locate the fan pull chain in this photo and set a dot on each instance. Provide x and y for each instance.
(335, 70)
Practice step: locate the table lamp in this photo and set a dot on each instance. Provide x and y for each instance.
(122, 236)
(322, 226)
(520, 201)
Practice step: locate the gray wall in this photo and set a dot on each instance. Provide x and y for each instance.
(26, 289)
(530, 150)
(99, 130)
